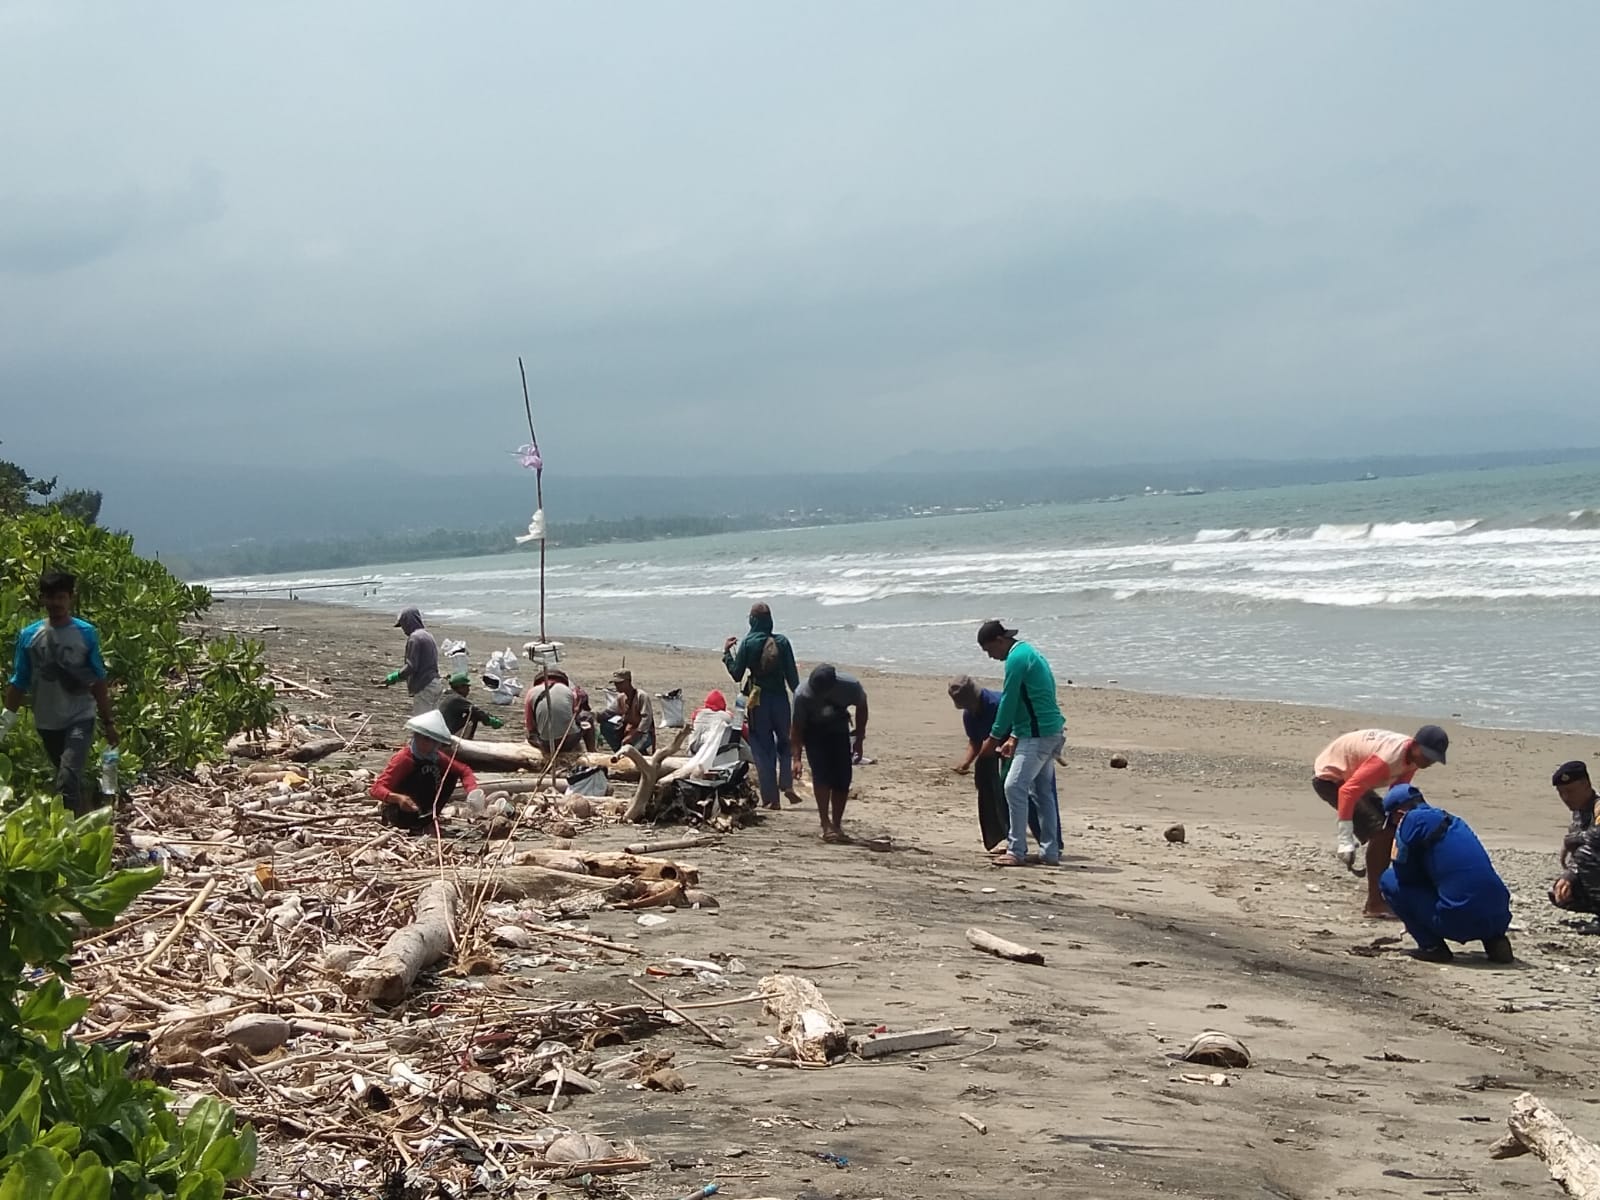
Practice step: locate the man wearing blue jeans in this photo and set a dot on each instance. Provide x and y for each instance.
(764, 667)
(1030, 730)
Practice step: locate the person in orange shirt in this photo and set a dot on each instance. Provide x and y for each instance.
(1352, 774)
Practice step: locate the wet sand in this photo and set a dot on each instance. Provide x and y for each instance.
(1375, 1075)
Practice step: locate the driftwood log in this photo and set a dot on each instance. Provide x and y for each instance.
(519, 756)
(683, 843)
(805, 1022)
(316, 749)
(1574, 1162)
(532, 882)
(611, 864)
(983, 940)
(387, 976)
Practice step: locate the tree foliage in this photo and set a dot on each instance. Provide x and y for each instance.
(74, 1125)
(178, 696)
(19, 490)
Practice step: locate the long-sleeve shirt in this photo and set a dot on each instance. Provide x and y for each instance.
(747, 658)
(1368, 760)
(1438, 850)
(1582, 846)
(1028, 707)
(422, 661)
(428, 781)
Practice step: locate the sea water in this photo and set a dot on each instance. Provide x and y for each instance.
(1473, 595)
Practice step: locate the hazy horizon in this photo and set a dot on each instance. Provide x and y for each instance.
(780, 237)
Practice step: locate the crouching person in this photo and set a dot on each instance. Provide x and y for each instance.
(1578, 887)
(1441, 883)
(422, 776)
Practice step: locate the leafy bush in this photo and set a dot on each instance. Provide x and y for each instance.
(177, 697)
(73, 1124)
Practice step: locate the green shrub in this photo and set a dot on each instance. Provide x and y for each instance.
(73, 1124)
(177, 697)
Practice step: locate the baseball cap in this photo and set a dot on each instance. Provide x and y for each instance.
(622, 676)
(1433, 742)
(460, 677)
(1400, 795)
(962, 687)
(1569, 772)
(991, 631)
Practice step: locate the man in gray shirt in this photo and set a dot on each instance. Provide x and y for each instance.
(821, 727)
(421, 670)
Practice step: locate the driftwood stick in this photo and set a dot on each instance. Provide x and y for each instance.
(710, 1035)
(683, 843)
(651, 771)
(1574, 1162)
(587, 939)
(983, 940)
(176, 931)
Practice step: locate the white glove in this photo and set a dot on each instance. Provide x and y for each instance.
(475, 802)
(1347, 843)
(8, 718)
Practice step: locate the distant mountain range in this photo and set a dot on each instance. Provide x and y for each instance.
(190, 508)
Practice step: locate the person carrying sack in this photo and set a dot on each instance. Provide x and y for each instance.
(765, 670)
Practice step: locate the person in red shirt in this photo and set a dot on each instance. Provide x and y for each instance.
(422, 776)
(1352, 774)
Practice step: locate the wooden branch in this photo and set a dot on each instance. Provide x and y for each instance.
(983, 940)
(612, 864)
(805, 1022)
(651, 771)
(710, 1035)
(387, 976)
(1574, 1163)
(165, 943)
(572, 935)
(683, 843)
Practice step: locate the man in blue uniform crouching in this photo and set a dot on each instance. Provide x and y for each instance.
(1441, 883)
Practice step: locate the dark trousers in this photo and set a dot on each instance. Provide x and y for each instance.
(69, 754)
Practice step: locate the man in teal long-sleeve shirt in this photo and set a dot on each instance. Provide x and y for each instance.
(764, 668)
(1030, 730)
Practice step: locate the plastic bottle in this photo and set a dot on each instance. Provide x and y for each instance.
(108, 772)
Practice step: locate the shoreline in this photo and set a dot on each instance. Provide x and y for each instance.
(1071, 687)
(1217, 746)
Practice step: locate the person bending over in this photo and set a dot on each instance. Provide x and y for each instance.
(422, 776)
(821, 727)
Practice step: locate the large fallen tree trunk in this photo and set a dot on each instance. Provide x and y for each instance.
(519, 756)
(805, 1022)
(1573, 1161)
(387, 976)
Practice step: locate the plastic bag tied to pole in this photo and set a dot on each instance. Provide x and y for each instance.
(535, 529)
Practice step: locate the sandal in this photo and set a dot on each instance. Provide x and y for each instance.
(1009, 860)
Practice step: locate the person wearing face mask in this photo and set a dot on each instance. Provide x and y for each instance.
(422, 776)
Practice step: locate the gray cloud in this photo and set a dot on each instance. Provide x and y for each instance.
(1172, 229)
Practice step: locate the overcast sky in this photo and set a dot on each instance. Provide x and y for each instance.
(806, 234)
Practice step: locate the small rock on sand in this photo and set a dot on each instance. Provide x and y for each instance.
(1119, 762)
(1175, 833)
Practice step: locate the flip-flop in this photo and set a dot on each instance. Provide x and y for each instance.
(1007, 860)
(832, 838)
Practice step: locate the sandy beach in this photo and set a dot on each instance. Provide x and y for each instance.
(1373, 1074)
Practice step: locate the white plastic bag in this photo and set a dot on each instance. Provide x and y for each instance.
(671, 708)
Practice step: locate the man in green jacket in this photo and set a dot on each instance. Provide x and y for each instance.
(1029, 730)
(764, 668)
